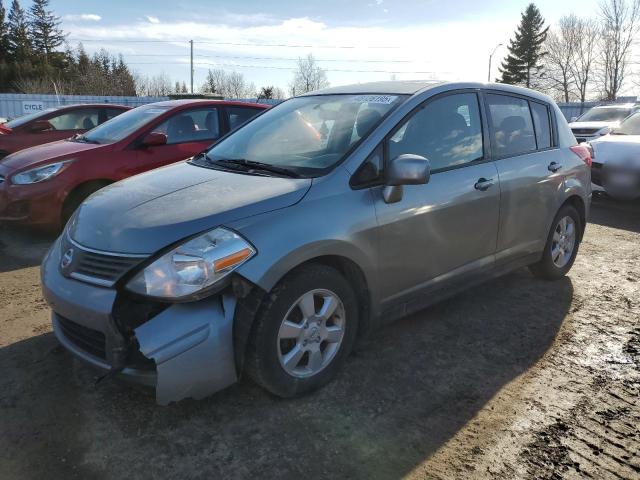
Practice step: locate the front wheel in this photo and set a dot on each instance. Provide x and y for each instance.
(304, 331)
(562, 245)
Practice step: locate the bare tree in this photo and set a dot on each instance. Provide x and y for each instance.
(215, 82)
(619, 21)
(155, 86)
(308, 76)
(560, 47)
(228, 84)
(585, 52)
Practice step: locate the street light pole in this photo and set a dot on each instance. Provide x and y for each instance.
(191, 44)
(490, 57)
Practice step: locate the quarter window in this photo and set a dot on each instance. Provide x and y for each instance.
(447, 131)
(541, 122)
(512, 126)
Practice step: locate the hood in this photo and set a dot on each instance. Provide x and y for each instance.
(147, 212)
(594, 125)
(623, 149)
(43, 154)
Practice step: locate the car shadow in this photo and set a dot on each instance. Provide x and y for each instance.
(404, 393)
(22, 247)
(608, 212)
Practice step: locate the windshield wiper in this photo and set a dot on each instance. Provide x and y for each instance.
(247, 165)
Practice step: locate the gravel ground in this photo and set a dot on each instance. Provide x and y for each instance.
(518, 378)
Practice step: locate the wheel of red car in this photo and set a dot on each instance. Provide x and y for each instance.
(304, 331)
(77, 196)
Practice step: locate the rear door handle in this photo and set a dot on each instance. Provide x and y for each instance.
(554, 167)
(483, 184)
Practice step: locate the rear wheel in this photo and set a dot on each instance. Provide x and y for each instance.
(562, 245)
(304, 332)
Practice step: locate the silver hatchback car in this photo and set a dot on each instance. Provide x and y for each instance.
(272, 252)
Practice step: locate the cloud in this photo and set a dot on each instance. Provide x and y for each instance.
(154, 20)
(83, 17)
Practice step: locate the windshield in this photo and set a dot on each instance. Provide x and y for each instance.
(605, 114)
(123, 125)
(631, 126)
(27, 118)
(306, 135)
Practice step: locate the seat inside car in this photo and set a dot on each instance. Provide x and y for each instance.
(212, 124)
(181, 128)
(87, 123)
(365, 121)
(512, 136)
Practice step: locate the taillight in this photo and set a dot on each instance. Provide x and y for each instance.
(584, 152)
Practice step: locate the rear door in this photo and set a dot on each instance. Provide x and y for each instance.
(189, 132)
(530, 169)
(447, 228)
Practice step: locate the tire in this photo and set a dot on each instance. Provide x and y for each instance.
(274, 358)
(76, 197)
(553, 266)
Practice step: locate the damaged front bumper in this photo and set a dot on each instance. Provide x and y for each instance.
(185, 350)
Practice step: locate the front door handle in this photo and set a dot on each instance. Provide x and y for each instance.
(483, 184)
(554, 167)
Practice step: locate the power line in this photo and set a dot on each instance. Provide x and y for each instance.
(208, 42)
(214, 64)
(242, 57)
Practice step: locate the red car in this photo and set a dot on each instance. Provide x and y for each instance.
(53, 124)
(43, 185)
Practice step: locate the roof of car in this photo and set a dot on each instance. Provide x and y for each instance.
(411, 87)
(617, 105)
(91, 105)
(198, 101)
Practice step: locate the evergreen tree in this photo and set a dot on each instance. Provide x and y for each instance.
(20, 48)
(524, 61)
(4, 34)
(45, 29)
(184, 88)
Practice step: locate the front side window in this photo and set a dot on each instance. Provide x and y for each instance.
(447, 131)
(543, 126)
(196, 125)
(306, 135)
(124, 125)
(512, 126)
(631, 126)
(82, 119)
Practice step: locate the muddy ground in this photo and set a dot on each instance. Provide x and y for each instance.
(518, 378)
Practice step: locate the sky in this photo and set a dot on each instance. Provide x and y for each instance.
(354, 40)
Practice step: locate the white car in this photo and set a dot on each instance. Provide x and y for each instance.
(616, 160)
(600, 121)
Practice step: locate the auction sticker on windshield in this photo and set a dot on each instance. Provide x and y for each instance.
(383, 99)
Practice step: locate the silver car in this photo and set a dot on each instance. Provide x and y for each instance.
(322, 218)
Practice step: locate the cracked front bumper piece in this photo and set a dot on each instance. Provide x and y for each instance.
(185, 351)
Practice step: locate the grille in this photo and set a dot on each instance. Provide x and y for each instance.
(584, 131)
(89, 340)
(96, 267)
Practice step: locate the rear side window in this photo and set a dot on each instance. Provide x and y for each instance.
(447, 131)
(197, 125)
(543, 126)
(512, 126)
(240, 115)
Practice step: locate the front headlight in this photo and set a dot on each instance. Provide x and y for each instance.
(39, 174)
(193, 266)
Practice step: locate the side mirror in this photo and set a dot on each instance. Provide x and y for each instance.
(407, 169)
(40, 126)
(154, 139)
(573, 119)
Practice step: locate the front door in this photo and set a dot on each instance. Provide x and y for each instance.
(439, 231)
(188, 132)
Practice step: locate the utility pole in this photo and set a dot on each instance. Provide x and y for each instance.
(490, 57)
(191, 44)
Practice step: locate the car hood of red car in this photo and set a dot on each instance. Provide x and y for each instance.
(47, 153)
